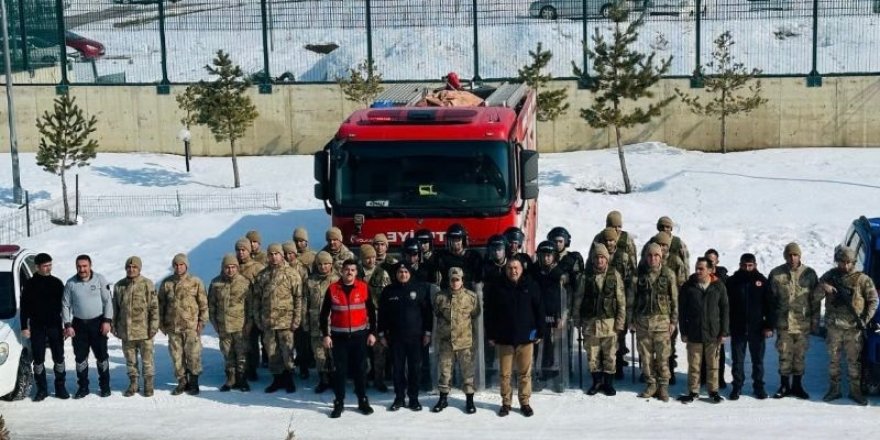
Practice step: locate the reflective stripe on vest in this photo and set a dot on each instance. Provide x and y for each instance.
(348, 312)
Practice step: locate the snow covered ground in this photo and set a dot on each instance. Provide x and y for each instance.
(741, 202)
(424, 40)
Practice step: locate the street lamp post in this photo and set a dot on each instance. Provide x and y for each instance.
(13, 138)
(185, 136)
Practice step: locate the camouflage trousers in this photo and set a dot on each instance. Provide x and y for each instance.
(654, 351)
(850, 340)
(601, 353)
(697, 352)
(234, 347)
(322, 356)
(519, 356)
(792, 348)
(186, 353)
(279, 347)
(130, 350)
(379, 358)
(446, 359)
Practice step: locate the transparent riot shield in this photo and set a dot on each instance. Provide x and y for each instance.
(553, 354)
(576, 356)
(430, 355)
(484, 356)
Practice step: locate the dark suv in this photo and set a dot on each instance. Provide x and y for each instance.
(863, 237)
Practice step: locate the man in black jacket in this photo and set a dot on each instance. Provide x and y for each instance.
(550, 278)
(721, 273)
(751, 322)
(703, 323)
(514, 316)
(41, 322)
(405, 324)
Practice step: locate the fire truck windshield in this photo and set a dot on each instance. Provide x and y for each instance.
(422, 175)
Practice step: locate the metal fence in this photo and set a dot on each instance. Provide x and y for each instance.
(152, 41)
(35, 218)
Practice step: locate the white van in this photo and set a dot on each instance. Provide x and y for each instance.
(16, 376)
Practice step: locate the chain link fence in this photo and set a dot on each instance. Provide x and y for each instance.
(35, 218)
(152, 41)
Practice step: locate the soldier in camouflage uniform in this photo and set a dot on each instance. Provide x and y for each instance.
(376, 278)
(256, 253)
(304, 358)
(316, 286)
(305, 255)
(850, 302)
(676, 246)
(791, 287)
(230, 309)
(676, 265)
(614, 220)
(456, 310)
(278, 313)
(183, 313)
(249, 268)
(135, 322)
(336, 248)
(383, 259)
(600, 311)
(653, 313)
(625, 264)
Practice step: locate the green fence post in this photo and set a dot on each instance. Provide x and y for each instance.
(814, 79)
(477, 79)
(585, 82)
(22, 28)
(265, 86)
(697, 77)
(368, 18)
(164, 87)
(64, 85)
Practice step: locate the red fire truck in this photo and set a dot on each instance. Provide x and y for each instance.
(396, 168)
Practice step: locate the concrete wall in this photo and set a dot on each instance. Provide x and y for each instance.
(300, 119)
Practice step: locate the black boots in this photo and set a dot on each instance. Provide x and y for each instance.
(441, 403)
(597, 384)
(192, 385)
(608, 385)
(180, 388)
(277, 383)
(364, 406)
(241, 382)
(104, 378)
(397, 404)
(82, 380)
(60, 379)
(338, 407)
(735, 392)
(289, 385)
(469, 406)
(797, 388)
(323, 383)
(40, 382)
(414, 404)
(784, 388)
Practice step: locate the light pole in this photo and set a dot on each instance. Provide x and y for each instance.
(185, 136)
(10, 110)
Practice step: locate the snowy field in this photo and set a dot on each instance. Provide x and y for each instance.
(424, 40)
(741, 202)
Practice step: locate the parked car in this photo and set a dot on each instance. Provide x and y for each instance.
(40, 52)
(553, 9)
(88, 49)
(16, 376)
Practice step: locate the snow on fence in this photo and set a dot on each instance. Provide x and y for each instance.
(35, 218)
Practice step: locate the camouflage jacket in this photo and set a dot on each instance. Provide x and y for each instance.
(456, 312)
(301, 269)
(680, 250)
(251, 269)
(307, 258)
(339, 257)
(792, 292)
(229, 304)
(278, 299)
(183, 304)
(135, 309)
(625, 244)
(376, 279)
(838, 314)
(260, 257)
(677, 266)
(316, 288)
(655, 300)
(601, 309)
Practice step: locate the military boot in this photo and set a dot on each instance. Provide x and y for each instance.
(663, 393)
(364, 406)
(323, 383)
(441, 403)
(277, 384)
(289, 385)
(797, 388)
(241, 382)
(104, 378)
(192, 386)
(650, 390)
(855, 392)
(180, 388)
(230, 381)
(132, 386)
(833, 391)
(338, 407)
(148, 386)
(469, 406)
(82, 380)
(784, 389)
(597, 384)
(60, 379)
(40, 382)
(608, 385)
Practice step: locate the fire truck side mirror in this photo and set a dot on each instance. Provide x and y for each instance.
(528, 166)
(321, 174)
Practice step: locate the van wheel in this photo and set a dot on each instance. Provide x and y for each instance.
(25, 380)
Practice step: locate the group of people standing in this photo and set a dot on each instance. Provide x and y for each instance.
(356, 317)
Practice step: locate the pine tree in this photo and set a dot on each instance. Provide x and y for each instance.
(362, 85)
(551, 103)
(726, 84)
(65, 143)
(622, 74)
(222, 105)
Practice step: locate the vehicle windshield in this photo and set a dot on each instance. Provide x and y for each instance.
(409, 174)
(7, 296)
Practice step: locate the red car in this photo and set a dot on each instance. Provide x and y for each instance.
(87, 48)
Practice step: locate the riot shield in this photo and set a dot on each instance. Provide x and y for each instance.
(484, 356)
(553, 354)
(430, 355)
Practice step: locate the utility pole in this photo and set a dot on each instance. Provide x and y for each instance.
(10, 109)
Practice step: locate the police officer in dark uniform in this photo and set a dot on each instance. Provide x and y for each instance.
(457, 254)
(515, 239)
